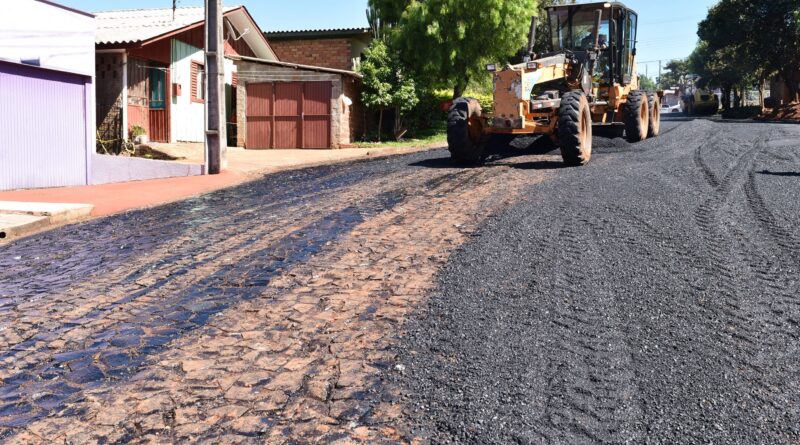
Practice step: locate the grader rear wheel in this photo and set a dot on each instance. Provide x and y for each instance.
(575, 129)
(637, 117)
(654, 126)
(465, 131)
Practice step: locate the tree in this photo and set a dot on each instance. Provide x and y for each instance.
(754, 38)
(647, 83)
(449, 42)
(676, 71)
(385, 85)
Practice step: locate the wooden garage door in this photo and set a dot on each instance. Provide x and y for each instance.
(289, 115)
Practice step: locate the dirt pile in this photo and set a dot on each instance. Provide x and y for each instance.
(790, 113)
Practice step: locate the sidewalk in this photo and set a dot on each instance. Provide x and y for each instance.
(243, 165)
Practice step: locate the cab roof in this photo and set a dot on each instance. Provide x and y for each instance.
(594, 5)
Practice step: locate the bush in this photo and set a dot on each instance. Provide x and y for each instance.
(430, 111)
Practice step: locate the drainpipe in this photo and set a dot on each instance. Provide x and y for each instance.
(124, 95)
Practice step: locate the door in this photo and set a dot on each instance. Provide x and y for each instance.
(317, 115)
(289, 115)
(259, 115)
(157, 95)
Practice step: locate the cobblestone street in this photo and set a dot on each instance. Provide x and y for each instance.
(260, 314)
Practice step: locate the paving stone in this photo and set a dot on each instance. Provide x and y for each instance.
(233, 336)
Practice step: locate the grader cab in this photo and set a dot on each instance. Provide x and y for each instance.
(586, 79)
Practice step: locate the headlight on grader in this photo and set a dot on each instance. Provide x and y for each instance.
(491, 67)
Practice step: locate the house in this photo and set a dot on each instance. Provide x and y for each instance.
(46, 95)
(150, 74)
(150, 70)
(339, 49)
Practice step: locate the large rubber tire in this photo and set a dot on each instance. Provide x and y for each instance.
(654, 104)
(575, 129)
(464, 133)
(637, 117)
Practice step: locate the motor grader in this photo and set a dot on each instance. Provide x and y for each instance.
(587, 80)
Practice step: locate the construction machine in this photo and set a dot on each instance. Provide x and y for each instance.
(698, 101)
(587, 80)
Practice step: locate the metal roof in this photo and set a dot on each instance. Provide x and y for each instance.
(319, 33)
(138, 25)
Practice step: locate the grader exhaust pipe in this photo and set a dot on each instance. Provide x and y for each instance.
(532, 38)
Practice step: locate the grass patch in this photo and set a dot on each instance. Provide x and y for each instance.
(434, 135)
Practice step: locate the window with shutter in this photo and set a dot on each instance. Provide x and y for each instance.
(198, 82)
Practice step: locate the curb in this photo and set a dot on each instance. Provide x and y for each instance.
(20, 219)
(369, 154)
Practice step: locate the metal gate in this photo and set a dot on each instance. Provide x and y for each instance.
(289, 115)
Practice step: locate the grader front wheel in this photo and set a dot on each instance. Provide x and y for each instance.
(575, 129)
(465, 131)
(637, 117)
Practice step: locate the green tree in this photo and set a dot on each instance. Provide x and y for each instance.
(749, 40)
(647, 83)
(385, 85)
(676, 70)
(447, 43)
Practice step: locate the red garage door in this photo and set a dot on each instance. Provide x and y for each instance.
(289, 115)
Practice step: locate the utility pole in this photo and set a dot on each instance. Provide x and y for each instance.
(216, 141)
(659, 74)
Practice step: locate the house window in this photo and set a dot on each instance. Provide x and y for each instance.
(198, 82)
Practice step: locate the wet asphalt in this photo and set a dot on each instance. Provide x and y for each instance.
(650, 297)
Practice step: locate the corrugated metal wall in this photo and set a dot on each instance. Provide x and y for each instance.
(43, 127)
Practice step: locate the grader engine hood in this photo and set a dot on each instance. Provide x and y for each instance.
(513, 87)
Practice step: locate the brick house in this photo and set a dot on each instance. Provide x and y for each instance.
(339, 49)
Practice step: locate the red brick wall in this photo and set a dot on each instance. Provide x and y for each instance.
(328, 53)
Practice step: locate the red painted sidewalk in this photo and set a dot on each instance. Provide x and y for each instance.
(109, 199)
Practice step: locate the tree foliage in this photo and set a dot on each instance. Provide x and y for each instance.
(675, 72)
(746, 41)
(647, 84)
(447, 43)
(385, 84)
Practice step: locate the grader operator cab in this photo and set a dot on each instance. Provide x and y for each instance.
(587, 79)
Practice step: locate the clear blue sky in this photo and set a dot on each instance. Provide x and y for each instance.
(667, 28)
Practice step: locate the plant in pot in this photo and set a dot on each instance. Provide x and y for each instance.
(138, 134)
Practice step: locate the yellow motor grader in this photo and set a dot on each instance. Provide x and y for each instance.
(588, 79)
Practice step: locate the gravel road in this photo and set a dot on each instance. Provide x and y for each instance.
(651, 297)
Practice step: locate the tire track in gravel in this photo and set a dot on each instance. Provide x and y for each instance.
(662, 261)
(590, 383)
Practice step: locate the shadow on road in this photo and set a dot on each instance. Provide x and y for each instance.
(500, 148)
(788, 174)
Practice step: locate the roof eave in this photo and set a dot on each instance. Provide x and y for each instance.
(298, 66)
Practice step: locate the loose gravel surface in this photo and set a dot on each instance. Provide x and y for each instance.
(650, 297)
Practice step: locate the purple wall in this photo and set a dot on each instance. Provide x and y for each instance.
(45, 139)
